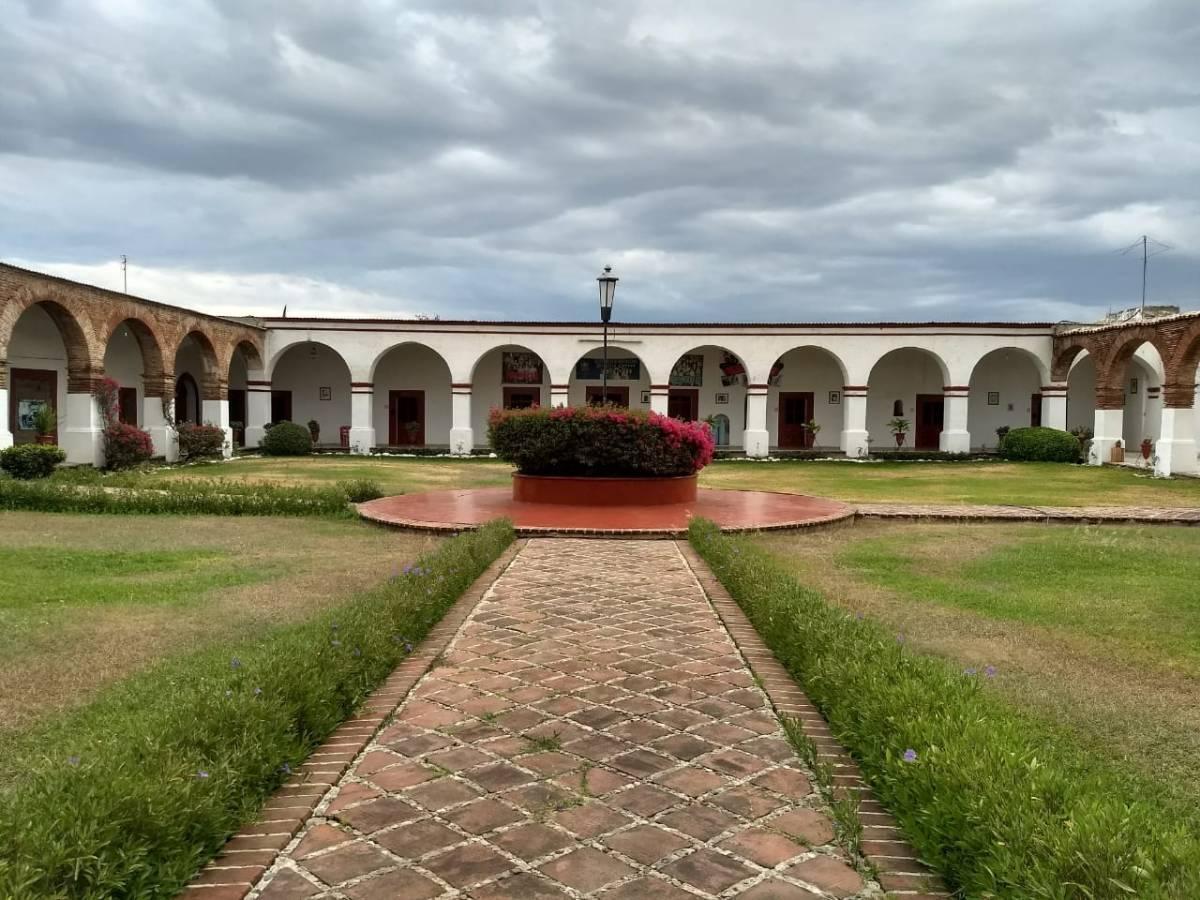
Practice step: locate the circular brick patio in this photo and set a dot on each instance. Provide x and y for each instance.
(732, 510)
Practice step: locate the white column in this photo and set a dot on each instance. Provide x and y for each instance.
(1054, 406)
(161, 433)
(216, 412)
(462, 437)
(6, 438)
(81, 431)
(258, 411)
(854, 422)
(954, 437)
(362, 417)
(756, 440)
(1108, 429)
(659, 395)
(1175, 452)
(558, 395)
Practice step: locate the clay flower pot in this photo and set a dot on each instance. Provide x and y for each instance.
(1147, 447)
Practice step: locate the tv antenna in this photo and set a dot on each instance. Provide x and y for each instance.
(125, 272)
(1149, 247)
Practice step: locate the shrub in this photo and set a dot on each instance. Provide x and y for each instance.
(200, 442)
(287, 439)
(28, 461)
(599, 441)
(360, 490)
(126, 446)
(1001, 804)
(1040, 445)
(132, 794)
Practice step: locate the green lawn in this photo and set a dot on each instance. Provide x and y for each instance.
(1097, 628)
(1022, 484)
(86, 600)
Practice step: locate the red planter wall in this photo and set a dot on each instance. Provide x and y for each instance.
(604, 491)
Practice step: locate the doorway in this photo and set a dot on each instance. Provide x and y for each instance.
(406, 418)
(1035, 410)
(683, 403)
(795, 412)
(281, 407)
(522, 397)
(930, 419)
(617, 396)
(29, 390)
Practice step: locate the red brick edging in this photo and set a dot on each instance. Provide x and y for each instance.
(249, 853)
(899, 869)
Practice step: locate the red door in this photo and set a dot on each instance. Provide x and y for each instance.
(683, 403)
(406, 418)
(930, 417)
(617, 396)
(1035, 410)
(795, 412)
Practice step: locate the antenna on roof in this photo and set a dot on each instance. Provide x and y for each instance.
(285, 310)
(125, 272)
(1149, 247)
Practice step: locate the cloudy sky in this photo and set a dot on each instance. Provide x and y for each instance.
(769, 160)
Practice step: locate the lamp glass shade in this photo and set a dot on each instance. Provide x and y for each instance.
(608, 288)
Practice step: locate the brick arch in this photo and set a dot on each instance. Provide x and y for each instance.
(85, 357)
(1111, 365)
(150, 343)
(214, 380)
(250, 350)
(1065, 358)
(1179, 384)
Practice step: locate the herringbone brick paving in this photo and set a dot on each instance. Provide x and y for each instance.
(592, 731)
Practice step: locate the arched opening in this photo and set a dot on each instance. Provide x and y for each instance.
(804, 399)
(709, 382)
(917, 378)
(42, 350)
(244, 360)
(195, 377)
(132, 356)
(188, 405)
(507, 377)
(310, 383)
(628, 379)
(1142, 388)
(1005, 392)
(1081, 393)
(412, 398)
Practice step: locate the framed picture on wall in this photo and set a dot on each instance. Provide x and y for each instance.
(1133, 385)
(646, 397)
(835, 397)
(326, 393)
(722, 399)
(993, 398)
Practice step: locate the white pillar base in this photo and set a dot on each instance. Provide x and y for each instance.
(462, 441)
(1108, 430)
(362, 441)
(6, 438)
(855, 444)
(80, 432)
(660, 399)
(162, 436)
(1175, 452)
(954, 436)
(756, 439)
(1054, 407)
(462, 436)
(954, 442)
(756, 442)
(258, 414)
(855, 441)
(216, 412)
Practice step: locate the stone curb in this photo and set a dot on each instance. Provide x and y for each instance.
(900, 871)
(249, 853)
(1070, 515)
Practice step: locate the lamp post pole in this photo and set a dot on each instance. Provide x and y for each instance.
(608, 288)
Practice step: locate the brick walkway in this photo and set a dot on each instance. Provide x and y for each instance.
(592, 731)
(1183, 515)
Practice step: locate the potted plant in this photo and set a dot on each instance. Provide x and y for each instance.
(1001, 434)
(899, 429)
(239, 433)
(813, 429)
(45, 423)
(314, 428)
(413, 428)
(1147, 448)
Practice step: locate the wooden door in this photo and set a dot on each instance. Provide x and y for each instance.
(522, 397)
(683, 403)
(930, 418)
(617, 396)
(406, 418)
(1035, 410)
(795, 411)
(281, 406)
(127, 405)
(27, 389)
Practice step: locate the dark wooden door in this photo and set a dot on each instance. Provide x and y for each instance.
(795, 411)
(406, 418)
(617, 396)
(281, 406)
(522, 397)
(34, 387)
(930, 418)
(127, 405)
(237, 414)
(683, 403)
(1035, 410)
(187, 400)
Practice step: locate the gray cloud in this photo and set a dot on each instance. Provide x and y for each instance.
(768, 161)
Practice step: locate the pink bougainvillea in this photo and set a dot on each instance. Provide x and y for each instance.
(600, 441)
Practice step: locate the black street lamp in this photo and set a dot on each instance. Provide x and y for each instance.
(608, 288)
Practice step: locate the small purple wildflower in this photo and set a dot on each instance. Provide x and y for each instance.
(910, 755)
(73, 761)
(990, 671)
(407, 569)
(285, 769)
(408, 647)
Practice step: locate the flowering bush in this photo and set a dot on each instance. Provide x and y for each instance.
(599, 441)
(126, 446)
(200, 441)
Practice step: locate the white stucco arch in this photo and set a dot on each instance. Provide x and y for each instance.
(638, 390)
(312, 379)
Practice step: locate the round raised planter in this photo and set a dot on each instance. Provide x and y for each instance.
(581, 491)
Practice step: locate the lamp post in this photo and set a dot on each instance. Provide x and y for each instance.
(608, 287)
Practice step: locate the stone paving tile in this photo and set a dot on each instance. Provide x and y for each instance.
(592, 731)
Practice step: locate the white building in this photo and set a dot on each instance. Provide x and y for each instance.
(391, 383)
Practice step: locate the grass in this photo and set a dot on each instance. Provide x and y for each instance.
(1003, 802)
(1023, 484)
(88, 600)
(129, 795)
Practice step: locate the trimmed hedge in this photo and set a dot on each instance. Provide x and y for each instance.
(1037, 444)
(599, 441)
(287, 439)
(31, 461)
(132, 794)
(1001, 804)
